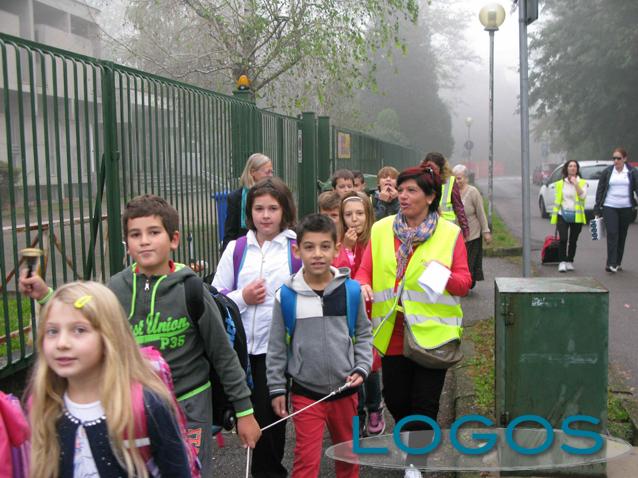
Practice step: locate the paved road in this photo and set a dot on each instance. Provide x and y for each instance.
(589, 261)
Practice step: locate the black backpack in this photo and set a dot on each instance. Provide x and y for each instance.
(223, 410)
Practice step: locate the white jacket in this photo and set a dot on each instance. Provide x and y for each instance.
(270, 262)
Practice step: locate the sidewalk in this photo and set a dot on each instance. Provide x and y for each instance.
(479, 305)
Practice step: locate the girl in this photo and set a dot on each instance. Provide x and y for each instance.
(356, 217)
(250, 270)
(87, 375)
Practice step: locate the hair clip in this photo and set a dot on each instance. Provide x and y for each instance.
(428, 170)
(82, 301)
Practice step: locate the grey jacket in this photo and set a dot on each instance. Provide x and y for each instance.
(322, 354)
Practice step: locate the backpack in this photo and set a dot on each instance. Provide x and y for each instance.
(14, 438)
(239, 256)
(223, 411)
(162, 369)
(289, 307)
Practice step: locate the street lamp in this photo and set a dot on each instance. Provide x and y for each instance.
(468, 141)
(491, 17)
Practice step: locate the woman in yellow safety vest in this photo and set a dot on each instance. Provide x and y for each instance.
(418, 236)
(569, 212)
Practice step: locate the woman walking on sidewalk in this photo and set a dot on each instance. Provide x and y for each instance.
(615, 199)
(569, 212)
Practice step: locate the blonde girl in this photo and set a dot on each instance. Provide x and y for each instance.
(81, 393)
(356, 217)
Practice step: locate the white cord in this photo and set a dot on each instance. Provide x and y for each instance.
(331, 394)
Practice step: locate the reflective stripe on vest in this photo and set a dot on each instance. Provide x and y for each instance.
(445, 206)
(433, 323)
(579, 204)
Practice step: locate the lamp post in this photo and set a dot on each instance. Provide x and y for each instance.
(468, 141)
(491, 17)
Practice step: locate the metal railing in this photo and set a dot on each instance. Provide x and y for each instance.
(79, 137)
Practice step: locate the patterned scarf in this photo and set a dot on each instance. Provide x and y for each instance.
(411, 237)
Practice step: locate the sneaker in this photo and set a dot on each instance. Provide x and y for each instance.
(613, 269)
(562, 267)
(618, 268)
(412, 473)
(376, 423)
(569, 266)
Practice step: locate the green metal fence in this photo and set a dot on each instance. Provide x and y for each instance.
(80, 137)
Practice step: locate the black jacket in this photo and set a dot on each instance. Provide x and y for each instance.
(603, 186)
(232, 226)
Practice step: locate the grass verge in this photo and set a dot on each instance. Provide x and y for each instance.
(14, 324)
(502, 238)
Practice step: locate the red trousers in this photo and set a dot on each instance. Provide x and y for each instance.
(309, 427)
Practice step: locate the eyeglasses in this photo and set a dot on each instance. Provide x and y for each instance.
(616, 158)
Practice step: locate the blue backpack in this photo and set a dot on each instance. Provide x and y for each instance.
(289, 308)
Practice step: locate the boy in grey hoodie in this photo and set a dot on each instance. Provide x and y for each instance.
(323, 356)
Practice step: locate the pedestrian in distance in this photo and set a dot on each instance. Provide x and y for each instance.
(616, 201)
(451, 205)
(402, 305)
(569, 212)
(322, 350)
(342, 181)
(385, 199)
(258, 167)
(355, 222)
(250, 270)
(83, 389)
(152, 292)
(476, 221)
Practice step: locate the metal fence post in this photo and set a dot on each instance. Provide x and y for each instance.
(323, 148)
(112, 168)
(246, 129)
(307, 168)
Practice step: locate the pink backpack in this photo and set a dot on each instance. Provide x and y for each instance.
(141, 431)
(14, 438)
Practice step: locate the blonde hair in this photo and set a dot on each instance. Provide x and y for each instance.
(387, 172)
(254, 162)
(123, 365)
(364, 237)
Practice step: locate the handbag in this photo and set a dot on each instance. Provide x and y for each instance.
(597, 229)
(441, 357)
(550, 249)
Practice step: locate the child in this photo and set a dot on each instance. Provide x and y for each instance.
(329, 202)
(355, 222)
(251, 280)
(323, 356)
(82, 393)
(359, 182)
(152, 292)
(342, 181)
(385, 200)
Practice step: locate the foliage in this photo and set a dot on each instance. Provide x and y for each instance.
(386, 127)
(212, 42)
(584, 83)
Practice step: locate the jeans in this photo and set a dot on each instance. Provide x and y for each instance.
(370, 394)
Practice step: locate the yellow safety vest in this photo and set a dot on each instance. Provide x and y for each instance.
(445, 206)
(579, 205)
(433, 324)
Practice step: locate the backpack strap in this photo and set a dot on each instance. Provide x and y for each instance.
(289, 310)
(239, 256)
(293, 262)
(194, 294)
(353, 300)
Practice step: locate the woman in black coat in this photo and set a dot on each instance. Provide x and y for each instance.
(615, 199)
(258, 167)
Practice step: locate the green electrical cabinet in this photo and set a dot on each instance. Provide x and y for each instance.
(551, 348)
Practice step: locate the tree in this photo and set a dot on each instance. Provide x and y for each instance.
(212, 42)
(585, 76)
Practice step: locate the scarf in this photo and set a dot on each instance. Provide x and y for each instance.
(411, 237)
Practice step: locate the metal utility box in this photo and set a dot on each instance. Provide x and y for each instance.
(551, 348)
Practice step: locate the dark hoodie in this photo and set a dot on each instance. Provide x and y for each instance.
(158, 315)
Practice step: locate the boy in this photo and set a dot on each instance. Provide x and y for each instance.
(329, 203)
(152, 292)
(342, 181)
(323, 356)
(359, 182)
(385, 200)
